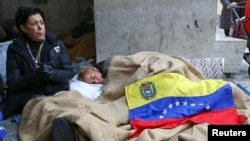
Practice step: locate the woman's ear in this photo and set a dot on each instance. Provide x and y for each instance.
(22, 28)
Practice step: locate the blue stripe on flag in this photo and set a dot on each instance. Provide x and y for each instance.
(180, 107)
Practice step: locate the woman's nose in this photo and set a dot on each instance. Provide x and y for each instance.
(39, 26)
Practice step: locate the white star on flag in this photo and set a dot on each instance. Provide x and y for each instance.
(185, 103)
(165, 111)
(208, 107)
(193, 104)
(177, 103)
(170, 106)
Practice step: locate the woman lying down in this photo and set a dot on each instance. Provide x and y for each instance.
(88, 82)
(145, 96)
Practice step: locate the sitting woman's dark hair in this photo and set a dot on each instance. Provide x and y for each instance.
(22, 14)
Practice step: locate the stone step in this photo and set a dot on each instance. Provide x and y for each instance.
(232, 50)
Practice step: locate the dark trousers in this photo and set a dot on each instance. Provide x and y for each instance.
(226, 32)
(16, 102)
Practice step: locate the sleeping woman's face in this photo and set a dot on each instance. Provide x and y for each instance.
(93, 77)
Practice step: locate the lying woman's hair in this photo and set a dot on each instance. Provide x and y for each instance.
(86, 70)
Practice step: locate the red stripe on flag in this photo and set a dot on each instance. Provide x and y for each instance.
(220, 117)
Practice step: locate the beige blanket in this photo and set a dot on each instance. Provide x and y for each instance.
(107, 118)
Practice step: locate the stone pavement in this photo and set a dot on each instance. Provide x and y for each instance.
(242, 77)
(11, 128)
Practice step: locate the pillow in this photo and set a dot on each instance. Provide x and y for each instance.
(89, 91)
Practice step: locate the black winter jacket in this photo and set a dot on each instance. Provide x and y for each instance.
(20, 71)
(22, 81)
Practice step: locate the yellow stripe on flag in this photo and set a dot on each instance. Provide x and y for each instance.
(169, 85)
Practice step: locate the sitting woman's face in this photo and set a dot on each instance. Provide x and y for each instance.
(93, 77)
(34, 28)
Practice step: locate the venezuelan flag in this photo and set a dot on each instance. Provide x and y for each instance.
(167, 100)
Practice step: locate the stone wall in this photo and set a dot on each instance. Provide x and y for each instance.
(175, 27)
